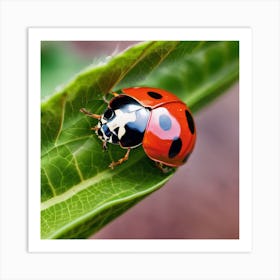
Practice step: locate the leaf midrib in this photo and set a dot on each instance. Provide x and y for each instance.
(95, 211)
(74, 190)
(199, 93)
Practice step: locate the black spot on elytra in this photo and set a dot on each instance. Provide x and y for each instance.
(165, 122)
(154, 94)
(190, 121)
(186, 158)
(175, 148)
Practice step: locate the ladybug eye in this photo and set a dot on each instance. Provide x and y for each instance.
(109, 114)
(106, 130)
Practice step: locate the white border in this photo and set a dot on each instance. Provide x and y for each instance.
(264, 259)
(243, 35)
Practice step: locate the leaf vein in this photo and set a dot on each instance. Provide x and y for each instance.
(73, 140)
(106, 205)
(84, 184)
(50, 183)
(76, 162)
(63, 104)
(137, 60)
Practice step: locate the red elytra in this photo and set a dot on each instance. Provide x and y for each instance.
(170, 134)
(150, 97)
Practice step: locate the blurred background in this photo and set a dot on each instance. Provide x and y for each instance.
(201, 201)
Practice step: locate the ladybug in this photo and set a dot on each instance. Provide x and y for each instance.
(154, 118)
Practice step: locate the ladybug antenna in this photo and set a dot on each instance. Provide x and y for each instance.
(94, 116)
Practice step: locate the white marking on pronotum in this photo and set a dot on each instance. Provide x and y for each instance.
(121, 119)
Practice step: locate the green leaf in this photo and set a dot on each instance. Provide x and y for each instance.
(79, 193)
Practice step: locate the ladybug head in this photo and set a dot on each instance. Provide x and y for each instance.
(107, 127)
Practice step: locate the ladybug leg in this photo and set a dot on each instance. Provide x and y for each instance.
(94, 116)
(164, 168)
(104, 145)
(120, 161)
(95, 128)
